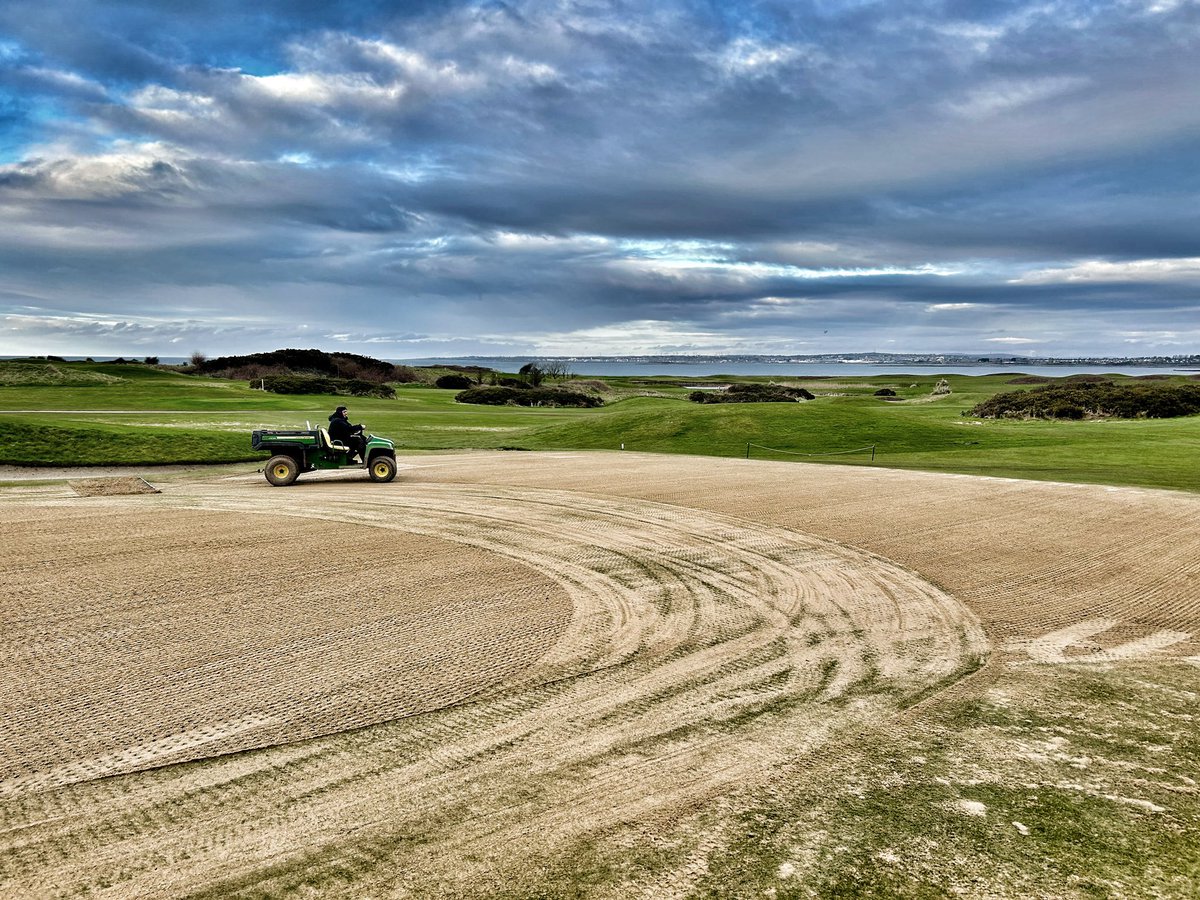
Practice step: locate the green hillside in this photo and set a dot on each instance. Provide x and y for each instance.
(98, 413)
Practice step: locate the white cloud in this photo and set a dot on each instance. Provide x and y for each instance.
(746, 56)
(648, 337)
(168, 106)
(124, 169)
(1007, 94)
(70, 82)
(527, 70)
(757, 270)
(939, 307)
(545, 243)
(1099, 270)
(1012, 340)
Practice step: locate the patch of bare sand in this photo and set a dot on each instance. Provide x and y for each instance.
(725, 639)
(111, 487)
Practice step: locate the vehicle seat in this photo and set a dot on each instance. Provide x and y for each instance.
(328, 441)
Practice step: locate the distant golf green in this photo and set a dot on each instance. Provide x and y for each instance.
(56, 414)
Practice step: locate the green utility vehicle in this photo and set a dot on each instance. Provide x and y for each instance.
(293, 452)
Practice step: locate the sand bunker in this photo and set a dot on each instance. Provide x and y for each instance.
(595, 643)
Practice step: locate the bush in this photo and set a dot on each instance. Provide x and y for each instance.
(505, 396)
(1065, 410)
(453, 382)
(885, 392)
(308, 384)
(752, 393)
(1095, 399)
(532, 373)
(356, 387)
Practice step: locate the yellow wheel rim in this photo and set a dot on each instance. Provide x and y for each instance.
(281, 471)
(381, 470)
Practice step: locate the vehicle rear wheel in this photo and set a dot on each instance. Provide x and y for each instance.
(382, 468)
(282, 470)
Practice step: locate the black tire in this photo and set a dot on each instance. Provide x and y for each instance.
(382, 468)
(282, 470)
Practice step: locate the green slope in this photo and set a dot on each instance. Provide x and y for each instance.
(136, 414)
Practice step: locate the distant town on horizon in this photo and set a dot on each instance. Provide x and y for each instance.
(872, 358)
(921, 359)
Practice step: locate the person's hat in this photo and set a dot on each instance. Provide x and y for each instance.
(340, 409)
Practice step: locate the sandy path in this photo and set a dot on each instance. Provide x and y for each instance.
(727, 619)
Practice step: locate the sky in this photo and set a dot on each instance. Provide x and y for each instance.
(568, 177)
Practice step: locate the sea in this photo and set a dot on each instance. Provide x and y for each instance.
(712, 368)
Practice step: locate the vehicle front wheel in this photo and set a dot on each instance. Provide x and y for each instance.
(282, 470)
(382, 468)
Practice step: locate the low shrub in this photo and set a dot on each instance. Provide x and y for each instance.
(752, 393)
(453, 382)
(885, 392)
(1094, 399)
(310, 384)
(508, 396)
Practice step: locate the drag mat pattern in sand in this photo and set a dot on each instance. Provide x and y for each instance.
(135, 638)
(702, 651)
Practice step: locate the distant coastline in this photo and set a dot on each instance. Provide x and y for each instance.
(796, 366)
(829, 365)
(909, 359)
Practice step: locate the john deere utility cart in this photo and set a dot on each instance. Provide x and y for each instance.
(296, 452)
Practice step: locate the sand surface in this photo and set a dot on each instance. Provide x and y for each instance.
(437, 679)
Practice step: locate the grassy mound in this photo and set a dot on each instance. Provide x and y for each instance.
(26, 373)
(1094, 400)
(306, 362)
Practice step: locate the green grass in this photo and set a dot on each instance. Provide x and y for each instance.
(143, 415)
(26, 444)
(883, 821)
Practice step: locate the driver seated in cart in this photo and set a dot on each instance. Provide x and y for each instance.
(343, 432)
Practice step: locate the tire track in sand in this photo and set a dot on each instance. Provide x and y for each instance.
(702, 650)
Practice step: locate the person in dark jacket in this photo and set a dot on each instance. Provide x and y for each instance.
(343, 432)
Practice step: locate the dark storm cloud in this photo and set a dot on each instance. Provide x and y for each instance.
(558, 174)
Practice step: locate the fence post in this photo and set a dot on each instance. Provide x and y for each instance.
(872, 453)
(747, 451)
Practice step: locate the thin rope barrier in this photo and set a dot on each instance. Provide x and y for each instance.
(795, 453)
